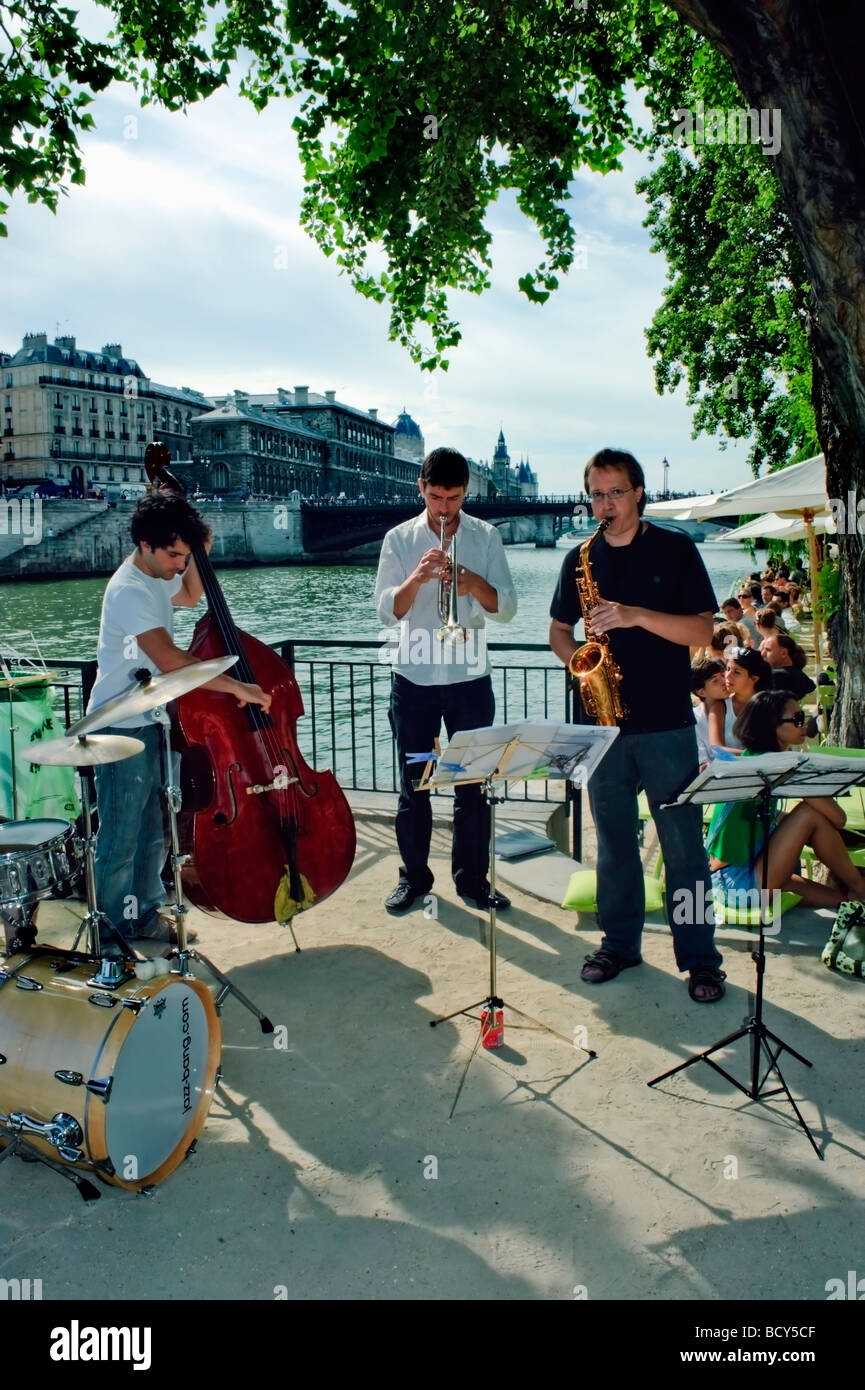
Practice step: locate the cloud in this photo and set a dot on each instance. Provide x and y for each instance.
(184, 246)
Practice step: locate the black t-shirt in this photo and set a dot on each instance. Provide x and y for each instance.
(792, 679)
(661, 570)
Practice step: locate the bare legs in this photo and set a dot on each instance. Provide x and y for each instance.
(805, 825)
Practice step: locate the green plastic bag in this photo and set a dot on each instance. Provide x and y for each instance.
(47, 793)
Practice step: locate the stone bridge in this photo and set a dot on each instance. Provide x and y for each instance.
(331, 529)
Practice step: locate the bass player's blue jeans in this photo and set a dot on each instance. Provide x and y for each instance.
(131, 843)
(661, 764)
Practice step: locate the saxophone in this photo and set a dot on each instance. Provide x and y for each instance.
(593, 664)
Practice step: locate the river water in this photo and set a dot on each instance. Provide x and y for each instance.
(296, 602)
(345, 727)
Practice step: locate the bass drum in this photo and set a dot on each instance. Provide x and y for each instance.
(118, 1082)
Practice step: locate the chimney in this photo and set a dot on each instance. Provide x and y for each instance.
(330, 397)
(112, 350)
(283, 396)
(68, 343)
(301, 395)
(373, 412)
(241, 400)
(35, 340)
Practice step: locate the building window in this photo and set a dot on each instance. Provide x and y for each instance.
(109, 408)
(58, 403)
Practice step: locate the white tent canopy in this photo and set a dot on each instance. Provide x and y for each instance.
(775, 527)
(682, 508)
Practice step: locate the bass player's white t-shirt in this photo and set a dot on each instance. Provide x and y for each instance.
(134, 602)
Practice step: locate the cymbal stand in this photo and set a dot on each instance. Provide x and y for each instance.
(94, 924)
(183, 952)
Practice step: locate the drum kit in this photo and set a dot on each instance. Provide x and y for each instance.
(108, 1062)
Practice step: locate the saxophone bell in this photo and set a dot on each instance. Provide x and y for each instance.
(593, 664)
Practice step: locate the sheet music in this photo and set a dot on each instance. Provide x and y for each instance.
(785, 774)
(544, 748)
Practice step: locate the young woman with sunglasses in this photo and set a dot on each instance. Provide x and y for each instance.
(773, 723)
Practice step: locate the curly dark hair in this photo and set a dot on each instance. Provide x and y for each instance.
(159, 520)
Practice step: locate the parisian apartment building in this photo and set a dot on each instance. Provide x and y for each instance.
(77, 421)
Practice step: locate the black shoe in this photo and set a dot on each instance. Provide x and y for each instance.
(485, 899)
(402, 897)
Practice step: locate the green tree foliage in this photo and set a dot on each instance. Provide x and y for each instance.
(733, 321)
(413, 119)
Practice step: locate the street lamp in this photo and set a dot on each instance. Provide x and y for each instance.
(666, 479)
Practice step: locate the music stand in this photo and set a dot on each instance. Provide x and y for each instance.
(512, 753)
(744, 779)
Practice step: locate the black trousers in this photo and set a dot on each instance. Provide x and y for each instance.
(416, 715)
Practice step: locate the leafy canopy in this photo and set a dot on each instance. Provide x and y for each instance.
(414, 117)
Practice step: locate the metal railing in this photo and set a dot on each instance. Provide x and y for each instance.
(345, 724)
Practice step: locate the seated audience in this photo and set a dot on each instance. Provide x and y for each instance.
(773, 723)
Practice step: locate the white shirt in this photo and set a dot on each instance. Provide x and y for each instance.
(415, 652)
(701, 720)
(133, 603)
(789, 621)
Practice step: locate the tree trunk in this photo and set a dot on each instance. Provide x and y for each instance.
(803, 59)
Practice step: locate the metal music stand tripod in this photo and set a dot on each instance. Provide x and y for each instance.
(762, 778)
(512, 752)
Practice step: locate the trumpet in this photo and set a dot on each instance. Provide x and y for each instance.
(450, 630)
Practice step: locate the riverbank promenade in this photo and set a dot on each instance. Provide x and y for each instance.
(329, 1169)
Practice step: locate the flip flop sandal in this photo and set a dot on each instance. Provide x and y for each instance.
(609, 962)
(705, 975)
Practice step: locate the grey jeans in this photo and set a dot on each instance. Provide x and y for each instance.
(661, 765)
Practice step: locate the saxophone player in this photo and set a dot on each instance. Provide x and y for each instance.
(649, 599)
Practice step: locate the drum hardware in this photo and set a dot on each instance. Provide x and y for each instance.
(25, 982)
(18, 1148)
(63, 1132)
(70, 1078)
(178, 909)
(81, 752)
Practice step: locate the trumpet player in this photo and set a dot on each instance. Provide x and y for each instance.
(651, 599)
(440, 672)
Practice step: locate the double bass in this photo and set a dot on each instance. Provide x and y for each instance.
(267, 835)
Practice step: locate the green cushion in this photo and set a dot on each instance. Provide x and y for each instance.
(581, 894)
(749, 916)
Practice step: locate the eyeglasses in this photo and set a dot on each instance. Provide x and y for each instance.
(798, 719)
(744, 595)
(615, 494)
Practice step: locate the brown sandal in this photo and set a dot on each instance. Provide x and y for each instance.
(608, 963)
(706, 976)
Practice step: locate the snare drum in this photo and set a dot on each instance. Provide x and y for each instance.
(38, 859)
(115, 1081)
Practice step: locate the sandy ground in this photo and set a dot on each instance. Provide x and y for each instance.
(329, 1167)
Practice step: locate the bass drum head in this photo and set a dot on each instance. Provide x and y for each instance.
(163, 1078)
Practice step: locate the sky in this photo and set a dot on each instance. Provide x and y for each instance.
(185, 247)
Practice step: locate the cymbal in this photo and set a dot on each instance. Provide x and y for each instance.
(170, 685)
(82, 752)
